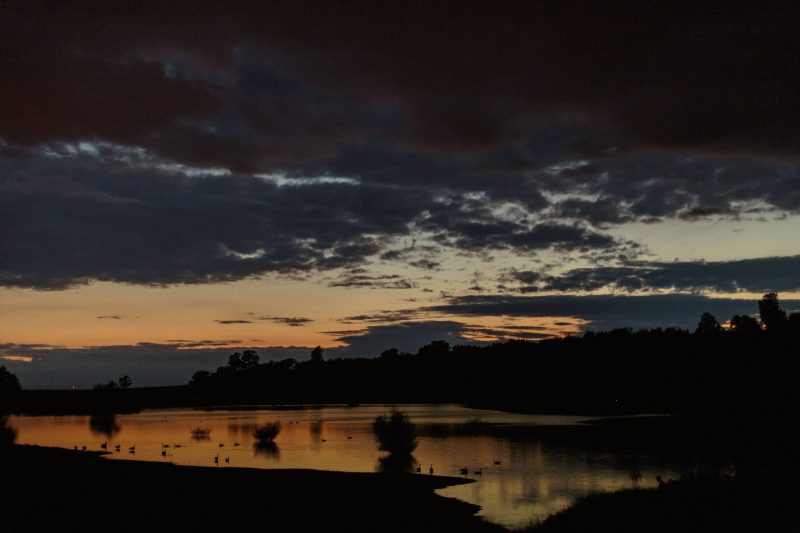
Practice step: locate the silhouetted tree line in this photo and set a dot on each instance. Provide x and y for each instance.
(9, 390)
(746, 367)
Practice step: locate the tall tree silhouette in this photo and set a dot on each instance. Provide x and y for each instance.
(316, 354)
(745, 325)
(773, 318)
(708, 325)
(249, 359)
(9, 389)
(235, 361)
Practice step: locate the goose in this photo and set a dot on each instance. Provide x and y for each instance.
(419, 469)
(216, 459)
(464, 471)
(227, 459)
(104, 446)
(496, 462)
(430, 470)
(478, 472)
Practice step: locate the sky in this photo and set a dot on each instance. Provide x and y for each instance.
(180, 181)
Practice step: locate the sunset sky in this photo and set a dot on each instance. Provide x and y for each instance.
(178, 182)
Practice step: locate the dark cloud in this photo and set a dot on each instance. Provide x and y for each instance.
(233, 321)
(766, 274)
(65, 221)
(401, 315)
(626, 185)
(378, 281)
(476, 226)
(426, 264)
(405, 336)
(293, 321)
(491, 334)
(521, 128)
(607, 311)
(111, 317)
(439, 76)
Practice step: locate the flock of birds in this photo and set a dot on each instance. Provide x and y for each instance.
(464, 471)
(164, 449)
(476, 471)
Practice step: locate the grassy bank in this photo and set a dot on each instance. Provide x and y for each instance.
(54, 488)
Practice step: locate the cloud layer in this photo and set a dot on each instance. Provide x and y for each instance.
(768, 274)
(206, 145)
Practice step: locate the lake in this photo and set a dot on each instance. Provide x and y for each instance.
(521, 479)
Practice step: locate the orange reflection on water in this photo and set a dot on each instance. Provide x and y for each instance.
(532, 479)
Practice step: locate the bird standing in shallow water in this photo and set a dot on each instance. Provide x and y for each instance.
(430, 470)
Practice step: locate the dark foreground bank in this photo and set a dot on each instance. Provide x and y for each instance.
(763, 504)
(51, 488)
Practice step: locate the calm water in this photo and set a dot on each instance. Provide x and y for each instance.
(533, 478)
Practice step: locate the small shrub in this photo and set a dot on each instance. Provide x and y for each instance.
(267, 432)
(395, 433)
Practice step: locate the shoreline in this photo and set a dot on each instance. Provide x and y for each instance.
(67, 482)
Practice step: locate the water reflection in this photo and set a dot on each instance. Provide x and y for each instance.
(105, 424)
(7, 433)
(395, 463)
(267, 449)
(522, 478)
(200, 434)
(315, 432)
